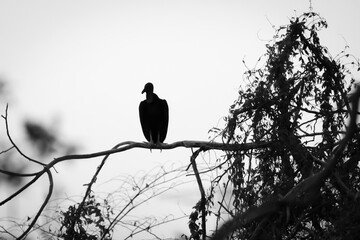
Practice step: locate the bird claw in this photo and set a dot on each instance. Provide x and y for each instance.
(159, 145)
(152, 145)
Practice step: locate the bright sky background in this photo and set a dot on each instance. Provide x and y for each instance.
(80, 66)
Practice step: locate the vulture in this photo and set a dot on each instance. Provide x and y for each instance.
(154, 116)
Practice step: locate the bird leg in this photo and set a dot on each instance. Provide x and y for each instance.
(158, 143)
(151, 142)
(155, 144)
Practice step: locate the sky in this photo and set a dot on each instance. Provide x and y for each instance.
(80, 66)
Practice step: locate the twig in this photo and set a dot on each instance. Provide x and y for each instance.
(131, 204)
(4, 151)
(153, 226)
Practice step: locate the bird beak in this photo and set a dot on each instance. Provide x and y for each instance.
(143, 91)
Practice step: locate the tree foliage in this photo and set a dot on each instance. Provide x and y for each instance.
(298, 102)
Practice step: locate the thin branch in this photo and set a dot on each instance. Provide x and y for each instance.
(202, 191)
(4, 151)
(130, 205)
(12, 142)
(88, 190)
(51, 187)
(23, 188)
(153, 226)
(17, 174)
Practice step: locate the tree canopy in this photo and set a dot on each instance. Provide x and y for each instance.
(299, 103)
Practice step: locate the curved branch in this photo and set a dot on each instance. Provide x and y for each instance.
(17, 174)
(187, 144)
(121, 147)
(51, 187)
(202, 191)
(12, 142)
(24, 187)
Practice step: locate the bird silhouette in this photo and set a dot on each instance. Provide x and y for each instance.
(154, 116)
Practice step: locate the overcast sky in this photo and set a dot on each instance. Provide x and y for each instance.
(80, 66)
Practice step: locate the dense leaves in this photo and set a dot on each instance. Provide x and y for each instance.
(92, 223)
(298, 102)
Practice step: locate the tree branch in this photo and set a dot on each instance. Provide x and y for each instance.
(127, 145)
(121, 147)
(51, 187)
(12, 142)
(202, 192)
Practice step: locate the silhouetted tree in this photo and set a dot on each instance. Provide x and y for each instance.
(305, 181)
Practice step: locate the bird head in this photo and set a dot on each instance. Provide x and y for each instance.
(149, 88)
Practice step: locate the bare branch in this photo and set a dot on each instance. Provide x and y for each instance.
(4, 151)
(17, 174)
(23, 188)
(51, 187)
(187, 144)
(12, 142)
(202, 191)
